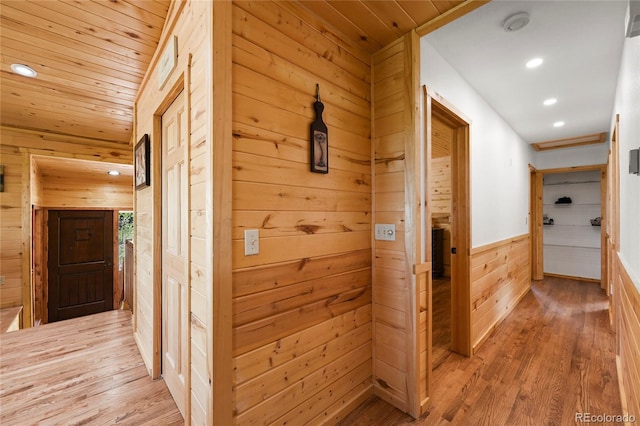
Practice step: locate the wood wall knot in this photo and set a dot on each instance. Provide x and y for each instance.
(265, 223)
(387, 160)
(308, 229)
(383, 383)
(303, 263)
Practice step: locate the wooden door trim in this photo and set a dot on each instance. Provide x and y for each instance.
(604, 267)
(117, 295)
(39, 264)
(613, 230)
(156, 179)
(535, 229)
(181, 83)
(435, 105)
(535, 223)
(414, 248)
(27, 235)
(219, 214)
(461, 237)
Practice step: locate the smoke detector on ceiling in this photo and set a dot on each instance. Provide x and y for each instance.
(516, 22)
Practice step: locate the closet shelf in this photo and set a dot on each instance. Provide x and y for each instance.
(572, 246)
(572, 183)
(572, 204)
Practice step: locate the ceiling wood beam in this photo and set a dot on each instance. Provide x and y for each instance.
(591, 139)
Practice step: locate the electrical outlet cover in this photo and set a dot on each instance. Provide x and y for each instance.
(385, 232)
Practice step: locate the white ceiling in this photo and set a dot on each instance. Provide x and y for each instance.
(581, 44)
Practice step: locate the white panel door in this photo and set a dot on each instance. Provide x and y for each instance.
(175, 271)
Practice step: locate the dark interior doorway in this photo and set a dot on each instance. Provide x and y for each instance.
(80, 263)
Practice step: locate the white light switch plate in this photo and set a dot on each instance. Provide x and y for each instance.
(385, 232)
(251, 242)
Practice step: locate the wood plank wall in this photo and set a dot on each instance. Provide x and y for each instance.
(11, 227)
(394, 284)
(37, 184)
(60, 191)
(302, 306)
(190, 21)
(441, 205)
(18, 146)
(628, 329)
(500, 277)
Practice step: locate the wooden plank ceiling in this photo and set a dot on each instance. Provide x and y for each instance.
(70, 168)
(91, 55)
(374, 24)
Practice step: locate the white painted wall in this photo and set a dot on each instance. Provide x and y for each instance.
(627, 104)
(587, 155)
(499, 157)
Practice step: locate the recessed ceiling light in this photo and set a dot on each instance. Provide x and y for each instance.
(113, 173)
(23, 70)
(534, 63)
(558, 124)
(550, 101)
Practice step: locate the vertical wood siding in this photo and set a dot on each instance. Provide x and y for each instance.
(391, 281)
(500, 277)
(302, 306)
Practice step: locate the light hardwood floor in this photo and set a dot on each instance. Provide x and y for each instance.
(551, 358)
(82, 371)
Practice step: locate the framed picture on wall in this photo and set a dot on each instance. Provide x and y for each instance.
(143, 162)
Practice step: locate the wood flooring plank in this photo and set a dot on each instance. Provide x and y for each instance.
(552, 357)
(82, 371)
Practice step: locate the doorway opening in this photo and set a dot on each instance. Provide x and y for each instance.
(572, 224)
(441, 221)
(126, 231)
(126, 226)
(568, 236)
(448, 221)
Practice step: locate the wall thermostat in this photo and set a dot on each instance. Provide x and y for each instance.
(634, 161)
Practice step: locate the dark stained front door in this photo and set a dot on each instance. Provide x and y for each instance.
(80, 266)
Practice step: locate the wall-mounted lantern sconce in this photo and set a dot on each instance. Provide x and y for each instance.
(634, 161)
